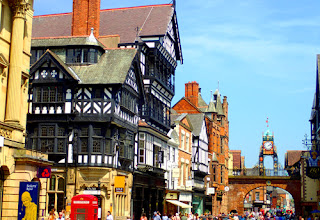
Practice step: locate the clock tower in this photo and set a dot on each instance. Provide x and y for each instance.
(268, 149)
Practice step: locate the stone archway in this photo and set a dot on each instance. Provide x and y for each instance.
(240, 186)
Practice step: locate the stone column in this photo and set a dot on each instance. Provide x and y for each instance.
(19, 8)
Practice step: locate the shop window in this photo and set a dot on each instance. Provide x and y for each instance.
(55, 192)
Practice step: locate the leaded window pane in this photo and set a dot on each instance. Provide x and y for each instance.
(43, 145)
(50, 145)
(51, 131)
(84, 145)
(52, 94)
(96, 148)
(45, 95)
(61, 131)
(97, 131)
(85, 55)
(77, 55)
(84, 132)
(60, 145)
(38, 95)
(59, 94)
(44, 131)
(108, 147)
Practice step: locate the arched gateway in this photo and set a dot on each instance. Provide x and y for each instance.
(240, 186)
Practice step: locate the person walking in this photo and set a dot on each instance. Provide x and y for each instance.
(109, 216)
(143, 217)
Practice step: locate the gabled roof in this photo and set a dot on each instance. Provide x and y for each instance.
(196, 121)
(121, 21)
(293, 156)
(184, 99)
(112, 68)
(49, 55)
(128, 23)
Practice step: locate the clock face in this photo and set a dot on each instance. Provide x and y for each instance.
(267, 145)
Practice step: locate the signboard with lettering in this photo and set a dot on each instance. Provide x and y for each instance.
(28, 200)
(160, 156)
(44, 172)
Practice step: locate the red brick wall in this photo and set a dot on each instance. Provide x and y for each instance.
(191, 92)
(86, 15)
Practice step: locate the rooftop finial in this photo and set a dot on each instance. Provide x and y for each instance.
(267, 121)
(211, 95)
(218, 84)
(91, 38)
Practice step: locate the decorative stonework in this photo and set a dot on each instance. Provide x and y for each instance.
(20, 7)
(5, 133)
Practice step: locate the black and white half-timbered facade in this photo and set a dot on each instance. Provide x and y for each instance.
(84, 105)
(106, 108)
(158, 61)
(200, 163)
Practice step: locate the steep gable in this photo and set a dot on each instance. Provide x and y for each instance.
(50, 67)
(185, 106)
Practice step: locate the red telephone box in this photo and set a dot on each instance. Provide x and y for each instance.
(84, 207)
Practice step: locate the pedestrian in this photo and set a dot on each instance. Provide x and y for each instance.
(143, 217)
(61, 217)
(164, 216)
(185, 216)
(51, 215)
(156, 216)
(109, 216)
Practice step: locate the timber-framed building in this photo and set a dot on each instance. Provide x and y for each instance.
(100, 103)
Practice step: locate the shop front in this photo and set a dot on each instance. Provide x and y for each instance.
(186, 198)
(197, 203)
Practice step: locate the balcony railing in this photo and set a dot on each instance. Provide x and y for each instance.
(156, 115)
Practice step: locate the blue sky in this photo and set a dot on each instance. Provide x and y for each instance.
(263, 53)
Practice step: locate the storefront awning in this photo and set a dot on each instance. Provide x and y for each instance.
(181, 204)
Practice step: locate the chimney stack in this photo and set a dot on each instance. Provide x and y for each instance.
(86, 15)
(192, 92)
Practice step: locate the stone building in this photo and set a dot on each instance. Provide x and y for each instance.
(217, 126)
(17, 163)
(151, 32)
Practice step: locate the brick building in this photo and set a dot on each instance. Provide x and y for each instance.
(217, 125)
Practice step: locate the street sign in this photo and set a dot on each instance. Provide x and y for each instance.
(44, 172)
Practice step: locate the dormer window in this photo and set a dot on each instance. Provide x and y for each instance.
(82, 55)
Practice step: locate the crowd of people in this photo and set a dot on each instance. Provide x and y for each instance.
(269, 215)
(54, 215)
